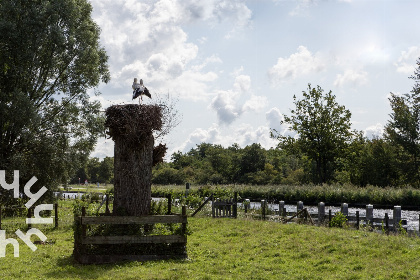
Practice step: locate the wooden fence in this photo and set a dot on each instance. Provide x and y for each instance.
(301, 213)
(83, 241)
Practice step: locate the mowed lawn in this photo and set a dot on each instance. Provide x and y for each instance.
(237, 249)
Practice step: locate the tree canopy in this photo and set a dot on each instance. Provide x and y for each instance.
(323, 131)
(403, 129)
(50, 56)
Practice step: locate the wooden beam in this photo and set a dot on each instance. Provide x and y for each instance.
(131, 239)
(122, 220)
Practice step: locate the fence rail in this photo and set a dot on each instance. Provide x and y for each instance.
(83, 240)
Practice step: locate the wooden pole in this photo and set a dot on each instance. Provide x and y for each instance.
(235, 205)
(281, 206)
(56, 215)
(83, 226)
(107, 212)
(213, 211)
(386, 223)
(321, 212)
(396, 217)
(345, 209)
(0, 217)
(329, 217)
(184, 225)
(169, 204)
(419, 223)
(28, 215)
(369, 213)
(357, 219)
(263, 209)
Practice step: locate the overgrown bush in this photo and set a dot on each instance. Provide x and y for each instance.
(339, 220)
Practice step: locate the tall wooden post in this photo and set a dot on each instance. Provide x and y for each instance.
(131, 127)
(29, 215)
(56, 215)
(321, 212)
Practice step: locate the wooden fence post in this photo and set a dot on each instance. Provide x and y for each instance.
(235, 205)
(281, 207)
(345, 209)
(184, 225)
(329, 217)
(357, 220)
(83, 226)
(369, 214)
(419, 223)
(321, 212)
(247, 203)
(386, 223)
(396, 217)
(56, 215)
(107, 212)
(213, 214)
(299, 206)
(0, 217)
(28, 215)
(263, 209)
(169, 204)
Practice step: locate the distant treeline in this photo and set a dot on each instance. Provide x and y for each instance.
(365, 162)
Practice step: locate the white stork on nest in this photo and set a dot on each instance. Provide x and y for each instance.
(139, 90)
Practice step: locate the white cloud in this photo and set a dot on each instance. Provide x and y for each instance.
(300, 63)
(225, 106)
(302, 7)
(104, 148)
(146, 40)
(244, 135)
(274, 118)
(374, 131)
(407, 61)
(255, 104)
(352, 77)
(230, 105)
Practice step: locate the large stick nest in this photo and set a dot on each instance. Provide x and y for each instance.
(132, 121)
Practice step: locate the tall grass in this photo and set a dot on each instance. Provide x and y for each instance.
(309, 194)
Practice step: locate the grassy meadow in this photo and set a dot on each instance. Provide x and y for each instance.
(229, 249)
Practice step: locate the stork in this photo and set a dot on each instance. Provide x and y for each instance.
(139, 90)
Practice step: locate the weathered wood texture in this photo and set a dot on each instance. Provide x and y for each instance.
(131, 127)
(129, 239)
(224, 207)
(133, 176)
(103, 259)
(83, 240)
(142, 220)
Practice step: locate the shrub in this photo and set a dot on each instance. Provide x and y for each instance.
(339, 220)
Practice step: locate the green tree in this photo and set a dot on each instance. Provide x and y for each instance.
(403, 129)
(252, 161)
(323, 131)
(49, 57)
(106, 170)
(372, 162)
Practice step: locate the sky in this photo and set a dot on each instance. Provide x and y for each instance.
(232, 67)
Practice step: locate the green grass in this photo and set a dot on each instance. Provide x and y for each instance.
(234, 249)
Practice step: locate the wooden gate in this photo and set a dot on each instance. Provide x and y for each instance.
(221, 208)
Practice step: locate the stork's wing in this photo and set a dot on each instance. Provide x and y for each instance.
(147, 93)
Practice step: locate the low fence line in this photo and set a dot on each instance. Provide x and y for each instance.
(320, 217)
